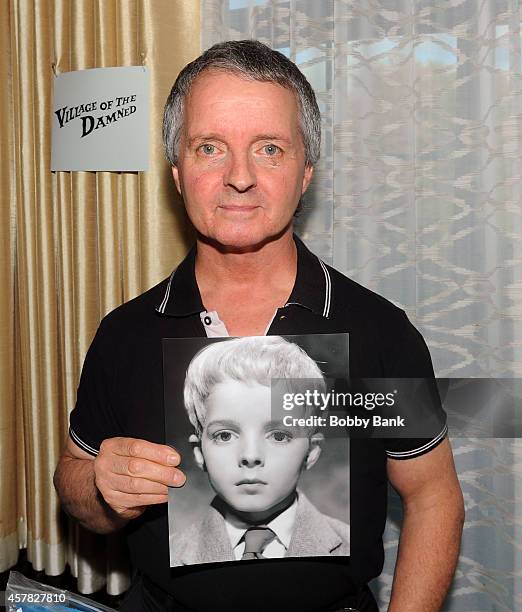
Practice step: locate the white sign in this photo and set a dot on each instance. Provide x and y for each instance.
(101, 120)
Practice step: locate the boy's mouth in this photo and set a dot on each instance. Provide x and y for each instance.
(250, 481)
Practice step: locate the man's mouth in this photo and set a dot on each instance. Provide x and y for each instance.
(238, 209)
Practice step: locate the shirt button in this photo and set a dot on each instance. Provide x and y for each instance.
(207, 320)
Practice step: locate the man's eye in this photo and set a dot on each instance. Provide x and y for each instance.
(281, 436)
(271, 149)
(208, 149)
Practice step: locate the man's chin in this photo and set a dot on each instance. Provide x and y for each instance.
(242, 242)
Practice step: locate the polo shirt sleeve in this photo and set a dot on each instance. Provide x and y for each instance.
(408, 357)
(93, 419)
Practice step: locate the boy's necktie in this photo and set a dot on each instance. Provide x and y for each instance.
(256, 540)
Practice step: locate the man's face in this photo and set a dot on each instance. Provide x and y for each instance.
(241, 167)
(253, 462)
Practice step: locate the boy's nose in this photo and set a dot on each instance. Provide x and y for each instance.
(251, 455)
(251, 461)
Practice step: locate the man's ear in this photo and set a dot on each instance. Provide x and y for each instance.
(196, 449)
(314, 451)
(175, 175)
(307, 177)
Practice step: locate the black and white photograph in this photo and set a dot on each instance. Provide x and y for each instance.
(263, 480)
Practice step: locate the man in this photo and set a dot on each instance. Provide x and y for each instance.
(241, 132)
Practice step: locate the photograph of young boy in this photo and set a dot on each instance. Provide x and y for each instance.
(252, 460)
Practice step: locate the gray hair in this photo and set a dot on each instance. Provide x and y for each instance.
(253, 60)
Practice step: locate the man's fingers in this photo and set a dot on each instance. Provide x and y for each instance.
(147, 470)
(131, 474)
(158, 453)
(137, 486)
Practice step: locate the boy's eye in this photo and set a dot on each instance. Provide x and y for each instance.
(222, 436)
(281, 436)
(271, 149)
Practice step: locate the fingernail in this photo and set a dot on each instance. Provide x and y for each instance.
(178, 478)
(173, 460)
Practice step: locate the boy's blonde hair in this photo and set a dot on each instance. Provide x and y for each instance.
(258, 359)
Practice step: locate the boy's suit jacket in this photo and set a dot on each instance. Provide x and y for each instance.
(315, 534)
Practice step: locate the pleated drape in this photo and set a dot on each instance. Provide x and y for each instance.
(73, 245)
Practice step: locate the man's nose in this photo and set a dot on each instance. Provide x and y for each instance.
(240, 173)
(251, 454)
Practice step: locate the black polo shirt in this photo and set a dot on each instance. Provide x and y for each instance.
(121, 394)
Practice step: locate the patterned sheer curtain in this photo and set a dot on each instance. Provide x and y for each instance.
(418, 197)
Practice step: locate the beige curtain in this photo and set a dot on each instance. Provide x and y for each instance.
(73, 245)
